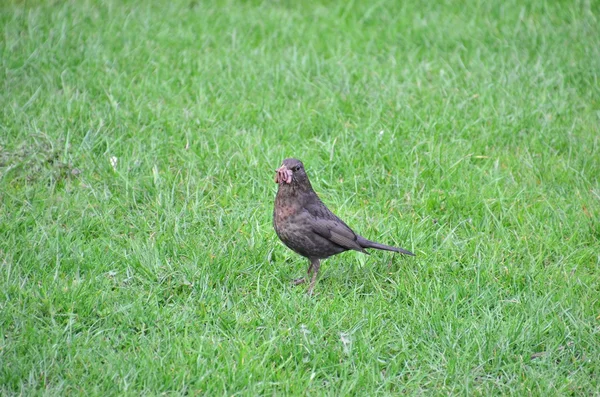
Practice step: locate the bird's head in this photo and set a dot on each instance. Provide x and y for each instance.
(291, 172)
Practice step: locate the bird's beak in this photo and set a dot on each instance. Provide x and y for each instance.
(283, 174)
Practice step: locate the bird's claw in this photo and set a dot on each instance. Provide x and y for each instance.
(299, 281)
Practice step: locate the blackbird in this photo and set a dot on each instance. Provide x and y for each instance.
(305, 225)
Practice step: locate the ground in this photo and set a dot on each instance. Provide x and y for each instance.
(138, 144)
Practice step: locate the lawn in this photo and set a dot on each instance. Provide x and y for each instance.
(138, 143)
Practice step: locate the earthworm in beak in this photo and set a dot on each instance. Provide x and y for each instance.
(283, 174)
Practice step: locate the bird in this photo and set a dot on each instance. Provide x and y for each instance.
(306, 226)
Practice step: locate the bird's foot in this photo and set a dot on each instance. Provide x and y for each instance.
(299, 281)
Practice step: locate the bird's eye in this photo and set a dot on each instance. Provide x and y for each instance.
(295, 169)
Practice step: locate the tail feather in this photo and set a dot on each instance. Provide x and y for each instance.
(372, 244)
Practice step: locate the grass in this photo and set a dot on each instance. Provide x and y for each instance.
(138, 142)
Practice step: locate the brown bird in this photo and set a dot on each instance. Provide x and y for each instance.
(308, 227)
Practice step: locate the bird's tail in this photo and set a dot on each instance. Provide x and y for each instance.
(372, 244)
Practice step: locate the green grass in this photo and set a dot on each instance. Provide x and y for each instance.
(466, 133)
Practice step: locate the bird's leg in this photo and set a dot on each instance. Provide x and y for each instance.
(315, 264)
(302, 280)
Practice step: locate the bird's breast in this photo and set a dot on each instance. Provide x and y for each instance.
(286, 205)
(283, 213)
(284, 217)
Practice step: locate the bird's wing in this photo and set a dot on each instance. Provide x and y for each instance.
(337, 232)
(329, 226)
